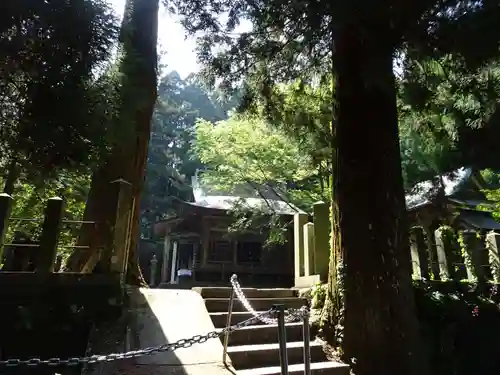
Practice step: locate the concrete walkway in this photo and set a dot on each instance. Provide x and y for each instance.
(156, 317)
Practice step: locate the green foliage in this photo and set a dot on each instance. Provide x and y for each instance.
(30, 199)
(244, 151)
(491, 178)
(493, 205)
(246, 156)
(423, 155)
(304, 111)
(449, 89)
(292, 146)
(293, 39)
(53, 113)
(459, 323)
(262, 220)
(170, 160)
(248, 149)
(318, 294)
(448, 116)
(58, 106)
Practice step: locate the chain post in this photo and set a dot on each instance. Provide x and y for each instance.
(228, 323)
(280, 309)
(152, 275)
(307, 341)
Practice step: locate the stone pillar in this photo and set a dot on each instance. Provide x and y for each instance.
(196, 249)
(444, 271)
(205, 241)
(152, 271)
(173, 269)
(321, 212)
(49, 239)
(419, 255)
(493, 245)
(431, 248)
(472, 257)
(299, 220)
(196, 246)
(308, 249)
(165, 261)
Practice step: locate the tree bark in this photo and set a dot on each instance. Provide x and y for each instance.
(370, 269)
(127, 159)
(12, 176)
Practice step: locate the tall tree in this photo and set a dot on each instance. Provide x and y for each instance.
(128, 155)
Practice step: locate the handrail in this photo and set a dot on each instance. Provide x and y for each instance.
(281, 320)
(280, 309)
(307, 344)
(228, 325)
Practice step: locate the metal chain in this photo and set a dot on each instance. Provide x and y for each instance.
(291, 315)
(92, 359)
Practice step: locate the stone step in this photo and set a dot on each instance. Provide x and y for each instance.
(317, 368)
(264, 334)
(222, 304)
(220, 318)
(252, 356)
(218, 292)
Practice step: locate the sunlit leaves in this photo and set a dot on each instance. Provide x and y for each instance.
(447, 111)
(30, 198)
(247, 150)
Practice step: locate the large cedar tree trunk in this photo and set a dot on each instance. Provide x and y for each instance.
(11, 178)
(370, 248)
(128, 157)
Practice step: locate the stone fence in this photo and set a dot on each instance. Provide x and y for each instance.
(450, 255)
(457, 255)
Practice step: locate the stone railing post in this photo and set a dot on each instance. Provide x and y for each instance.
(152, 275)
(472, 257)
(51, 229)
(173, 272)
(432, 253)
(321, 212)
(166, 261)
(309, 249)
(419, 253)
(115, 254)
(299, 220)
(493, 245)
(444, 271)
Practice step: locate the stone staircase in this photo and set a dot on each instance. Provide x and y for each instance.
(254, 350)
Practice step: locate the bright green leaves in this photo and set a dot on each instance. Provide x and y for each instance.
(247, 150)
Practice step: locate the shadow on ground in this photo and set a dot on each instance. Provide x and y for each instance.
(157, 317)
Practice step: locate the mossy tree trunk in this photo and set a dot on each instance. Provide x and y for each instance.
(370, 269)
(127, 159)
